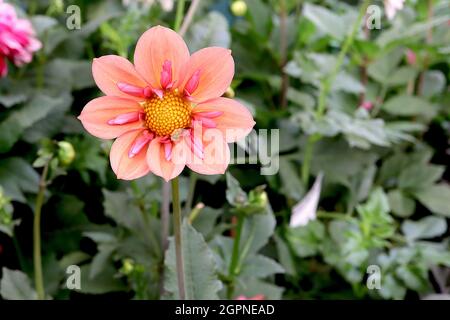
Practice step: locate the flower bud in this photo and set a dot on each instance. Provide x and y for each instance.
(5, 209)
(66, 153)
(127, 266)
(229, 93)
(411, 57)
(258, 198)
(367, 105)
(239, 8)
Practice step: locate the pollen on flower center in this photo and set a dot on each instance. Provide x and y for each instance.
(163, 116)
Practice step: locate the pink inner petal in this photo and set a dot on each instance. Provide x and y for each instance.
(192, 84)
(140, 143)
(125, 118)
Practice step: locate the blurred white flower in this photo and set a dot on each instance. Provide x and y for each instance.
(166, 5)
(306, 209)
(392, 6)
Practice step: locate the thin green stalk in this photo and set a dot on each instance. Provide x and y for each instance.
(307, 160)
(333, 215)
(190, 197)
(235, 255)
(325, 90)
(283, 53)
(178, 237)
(37, 258)
(328, 82)
(179, 15)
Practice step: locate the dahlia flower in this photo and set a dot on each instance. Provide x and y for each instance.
(17, 39)
(166, 110)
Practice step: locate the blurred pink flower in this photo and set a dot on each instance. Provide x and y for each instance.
(366, 105)
(257, 297)
(411, 57)
(17, 39)
(392, 6)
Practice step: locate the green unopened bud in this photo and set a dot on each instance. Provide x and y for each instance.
(229, 93)
(258, 200)
(239, 8)
(66, 153)
(127, 267)
(5, 209)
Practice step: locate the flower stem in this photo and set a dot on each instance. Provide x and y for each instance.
(283, 53)
(178, 237)
(326, 87)
(328, 82)
(191, 191)
(189, 15)
(179, 15)
(235, 255)
(37, 258)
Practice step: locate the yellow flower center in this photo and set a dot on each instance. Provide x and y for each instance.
(163, 116)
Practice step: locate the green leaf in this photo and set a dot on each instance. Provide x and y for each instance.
(306, 240)
(433, 83)
(391, 288)
(118, 207)
(419, 176)
(425, 228)
(291, 186)
(436, 198)
(348, 83)
(260, 266)
(382, 69)
(284, 255)
(300, 98)
(411, 30)
(18, 177)
(59, 74)
(401, 205)
(209, 31)
(43, 23)
(413, 276)
(200, 276)
(406, 105)
(402, 76)
(206, 220)
(14, 95)
(19, 119)
(235, 195)
(104, 282)
(15, 285)
(325, 20)
(257, 230)
(101, 259)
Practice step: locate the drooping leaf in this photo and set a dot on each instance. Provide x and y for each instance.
(406, 105)
(15, 285)
(18, 177)
(210, 31)
(425, 228)
(200, 275)
(436, 198)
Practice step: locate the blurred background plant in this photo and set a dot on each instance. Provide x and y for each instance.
(368, 109)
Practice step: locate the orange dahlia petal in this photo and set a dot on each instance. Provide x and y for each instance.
(110, 71)
(158, 163)
(158, 47)
(124, 166)
(214, 68)
(215, 155)
(235, 120)
(99, 112)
